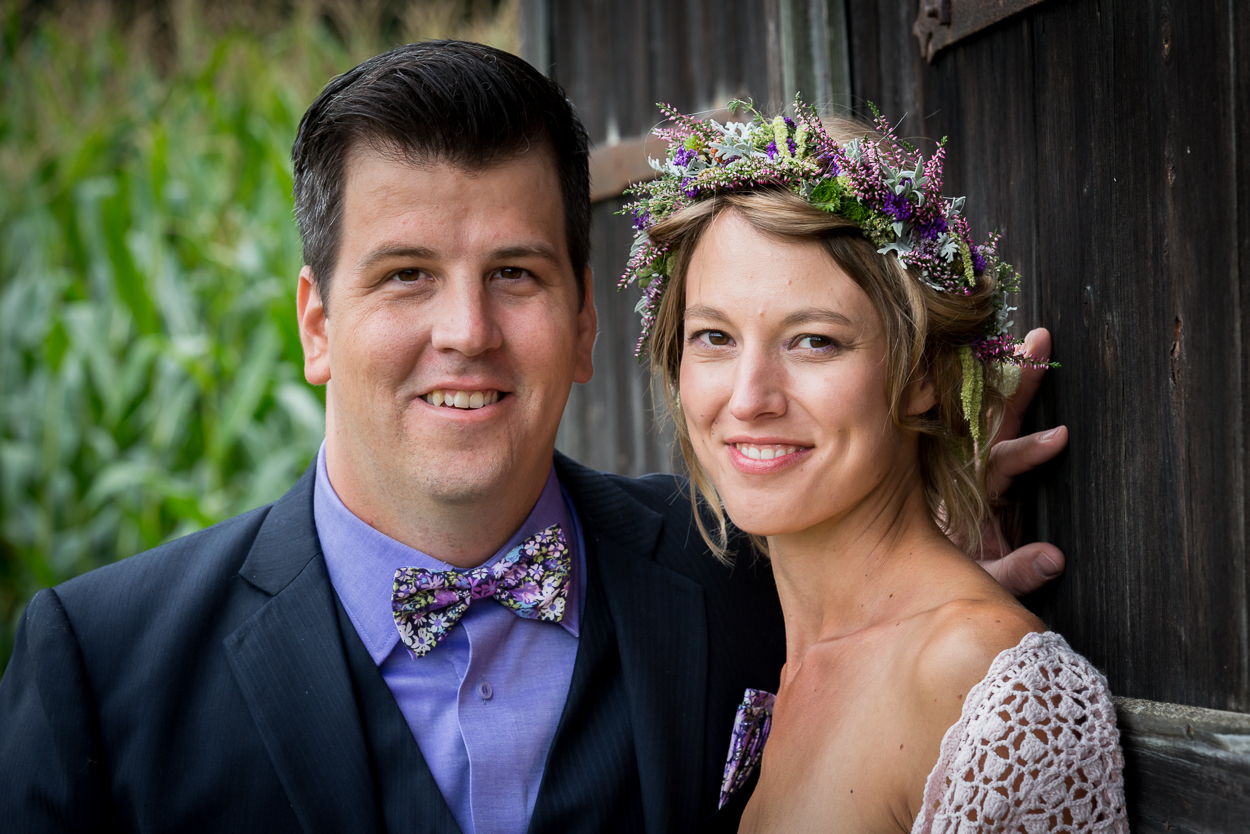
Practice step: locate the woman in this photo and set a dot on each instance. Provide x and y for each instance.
(834, 348)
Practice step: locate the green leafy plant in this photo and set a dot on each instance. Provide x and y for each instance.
(150, 368)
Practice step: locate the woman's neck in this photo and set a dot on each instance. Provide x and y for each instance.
(851, 572)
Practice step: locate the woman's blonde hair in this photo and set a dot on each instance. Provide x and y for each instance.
(925, 330)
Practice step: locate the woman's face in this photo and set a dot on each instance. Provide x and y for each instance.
(783, 382)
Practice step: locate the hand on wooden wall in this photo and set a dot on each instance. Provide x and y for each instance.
(1031, 566)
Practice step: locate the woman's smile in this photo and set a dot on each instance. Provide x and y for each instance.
(764, 456)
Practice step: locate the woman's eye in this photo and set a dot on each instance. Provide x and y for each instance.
(812, 342)
(715, 338)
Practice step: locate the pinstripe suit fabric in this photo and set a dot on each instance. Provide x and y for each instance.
(209, 685)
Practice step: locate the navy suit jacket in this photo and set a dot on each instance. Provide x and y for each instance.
(207, 685)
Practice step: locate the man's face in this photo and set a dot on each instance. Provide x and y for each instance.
(453, 336)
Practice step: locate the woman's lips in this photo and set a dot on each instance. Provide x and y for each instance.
(760, 458)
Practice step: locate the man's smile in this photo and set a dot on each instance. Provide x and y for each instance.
(458, 398)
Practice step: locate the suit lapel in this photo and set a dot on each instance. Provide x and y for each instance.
(661, 635)
(289, 662)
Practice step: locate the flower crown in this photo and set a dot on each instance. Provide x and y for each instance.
(881, 184)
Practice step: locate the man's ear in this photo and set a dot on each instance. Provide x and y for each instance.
(311, 314)
(920, 396)
(587, 330)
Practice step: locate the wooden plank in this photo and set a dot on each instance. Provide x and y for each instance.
(814, 53)
(1239, 47)
(885, 68)
(1192, 51)
(536, 33)
(1186, 769)
(608, 423)
(1132, 187)
(1141, 498)
(1082, 505)
(633, 104)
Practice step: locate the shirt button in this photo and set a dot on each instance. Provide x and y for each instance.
(485, 691)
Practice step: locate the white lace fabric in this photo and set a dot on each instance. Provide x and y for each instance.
(1035, 750)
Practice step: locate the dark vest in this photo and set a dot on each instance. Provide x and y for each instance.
(590, 782)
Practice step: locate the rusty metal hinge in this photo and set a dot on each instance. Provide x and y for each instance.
(942, 22)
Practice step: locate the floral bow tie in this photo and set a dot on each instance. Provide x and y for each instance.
(532, 580)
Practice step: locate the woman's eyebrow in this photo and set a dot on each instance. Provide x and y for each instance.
(702, 311)
(816, 315)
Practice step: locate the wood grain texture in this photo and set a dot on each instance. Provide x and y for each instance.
(1102, 139)
(1186, 769)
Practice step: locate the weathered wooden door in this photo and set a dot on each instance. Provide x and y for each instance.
(1109, 140)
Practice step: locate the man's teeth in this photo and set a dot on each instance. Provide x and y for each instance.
(461, 399)
(765, 452)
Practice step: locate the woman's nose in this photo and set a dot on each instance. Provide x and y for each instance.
(758, 388)
(464, 321)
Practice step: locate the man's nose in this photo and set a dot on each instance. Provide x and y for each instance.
(465, 320)
(759, 387)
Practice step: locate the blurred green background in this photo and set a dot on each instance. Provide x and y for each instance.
(150, 366)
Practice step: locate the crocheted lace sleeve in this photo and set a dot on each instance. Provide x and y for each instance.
(1036, 749)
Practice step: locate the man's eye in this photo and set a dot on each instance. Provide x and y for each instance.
(407, 276)
(811, 342)
(511, 273)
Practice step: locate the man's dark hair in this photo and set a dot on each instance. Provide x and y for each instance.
(465, 104)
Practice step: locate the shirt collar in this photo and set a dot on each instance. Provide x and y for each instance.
(362, 561)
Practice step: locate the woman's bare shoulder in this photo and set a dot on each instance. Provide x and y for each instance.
(960, 640)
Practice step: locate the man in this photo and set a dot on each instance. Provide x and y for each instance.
(444, 625)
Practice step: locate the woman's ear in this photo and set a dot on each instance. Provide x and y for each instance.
(920, 396)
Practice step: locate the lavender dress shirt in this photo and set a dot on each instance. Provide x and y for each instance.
(484, 704)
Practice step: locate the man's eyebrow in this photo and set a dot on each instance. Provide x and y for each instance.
(506, 253)
(387, 253)
(526, 250)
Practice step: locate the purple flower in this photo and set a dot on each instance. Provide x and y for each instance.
(771, 150)
(789, 123)
(529, 593)
(978, 260)
(897, 206)
(642, 218)
(482, 590)
(683, 157)
(930, 229)
(794, 149)
(689, 190)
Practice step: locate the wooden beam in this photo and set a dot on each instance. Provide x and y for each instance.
(1186, 769)
(624, 162)
(614, 167)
